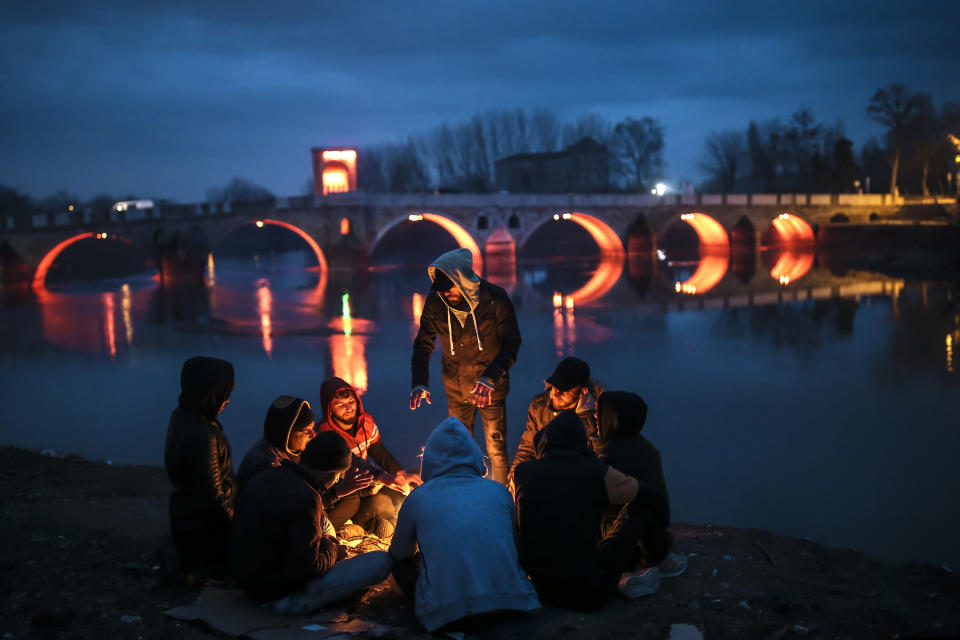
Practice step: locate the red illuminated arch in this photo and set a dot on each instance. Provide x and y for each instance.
(612, 255)
(789, 229)
(714, 254)
(40, 275)
(454, 228)
(318, 252)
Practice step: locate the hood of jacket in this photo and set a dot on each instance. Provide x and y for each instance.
(281, 416)
(458, 266)
(563, 435)
(329, 388)
(205, 384)
(620, 413)
(449, 448)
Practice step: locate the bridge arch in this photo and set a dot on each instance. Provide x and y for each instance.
(789, 229)
(460, 234)
(714, 253)
(612, 254)
(43, 267)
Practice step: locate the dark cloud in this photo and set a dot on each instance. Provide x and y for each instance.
(171, 98)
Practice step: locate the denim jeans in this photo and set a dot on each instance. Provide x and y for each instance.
(343, 579)
(494, 431)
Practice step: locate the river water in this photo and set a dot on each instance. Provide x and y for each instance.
(822, 407)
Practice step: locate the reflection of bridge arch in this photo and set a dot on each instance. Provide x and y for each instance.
(454, 228)
(40, 275)
(612, 254)
(714, 254)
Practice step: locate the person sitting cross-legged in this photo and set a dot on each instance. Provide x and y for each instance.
(284, 551)
(466, 572)
(561, 498)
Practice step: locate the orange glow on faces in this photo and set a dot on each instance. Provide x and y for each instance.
(792, 229)
(461, 235)
(791, 266)
(611, 259)
(40, 276)
(714, 254)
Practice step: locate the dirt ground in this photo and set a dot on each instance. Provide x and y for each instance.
(79, 543)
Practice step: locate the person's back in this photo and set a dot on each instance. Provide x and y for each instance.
(561, 499)
(621, 416)
(198, 463)
(463, 524)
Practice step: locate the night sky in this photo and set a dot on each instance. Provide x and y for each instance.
(172, 99)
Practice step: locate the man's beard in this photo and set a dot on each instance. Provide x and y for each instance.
(572, 405)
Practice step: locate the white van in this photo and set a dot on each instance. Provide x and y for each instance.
(133, 209)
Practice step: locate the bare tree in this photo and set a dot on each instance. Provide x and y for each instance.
(895, 107)
(724, 154)
(638, 150)
(239, 190)
(588, 125)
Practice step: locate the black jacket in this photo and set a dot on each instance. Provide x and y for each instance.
(621, 417)
(496, 323)
(197, 453)
(561, 497)
(278, 541)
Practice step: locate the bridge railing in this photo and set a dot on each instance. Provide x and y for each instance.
(16, 223)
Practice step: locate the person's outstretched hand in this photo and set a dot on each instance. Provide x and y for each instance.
(482, 390)
(355, 480)
(418, 395)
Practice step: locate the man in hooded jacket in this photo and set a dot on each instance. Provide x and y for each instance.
(287, 429)
(283, 548)
(198, 463)
(479, 338)
(464, 526)
(374, 509)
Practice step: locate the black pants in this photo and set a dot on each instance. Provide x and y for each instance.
(494, 432)
(376, 513)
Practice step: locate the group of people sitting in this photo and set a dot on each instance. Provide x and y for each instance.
(585, 512)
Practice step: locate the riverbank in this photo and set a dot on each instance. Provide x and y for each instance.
(79, 560)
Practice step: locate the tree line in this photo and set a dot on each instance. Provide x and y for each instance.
(802, 155)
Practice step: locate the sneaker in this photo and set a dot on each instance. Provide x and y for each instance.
(639, 584)
(673, 565)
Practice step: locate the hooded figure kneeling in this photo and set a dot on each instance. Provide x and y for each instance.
(467, 571)
(284, 549)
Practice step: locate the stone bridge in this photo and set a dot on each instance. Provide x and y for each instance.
(339, 226)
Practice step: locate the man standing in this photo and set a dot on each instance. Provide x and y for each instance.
(479, 336)
(568, 388)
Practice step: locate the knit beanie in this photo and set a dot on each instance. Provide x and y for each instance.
(327, 452)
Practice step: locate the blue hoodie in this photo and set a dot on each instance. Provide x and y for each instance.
(465, 527)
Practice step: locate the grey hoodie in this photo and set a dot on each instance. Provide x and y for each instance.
(465, 527)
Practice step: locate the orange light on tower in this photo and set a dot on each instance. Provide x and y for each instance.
(334, 171)
(345, 226)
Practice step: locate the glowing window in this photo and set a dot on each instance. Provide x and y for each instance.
(345, 226)
(335, 179)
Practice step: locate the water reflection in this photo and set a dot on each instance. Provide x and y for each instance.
(87, 320)
(348, 348)
(265, 308)
(789, 265)
(711, 268)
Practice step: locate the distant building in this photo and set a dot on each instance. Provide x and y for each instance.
(580, 168)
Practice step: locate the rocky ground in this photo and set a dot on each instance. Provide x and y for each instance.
(78, 554)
